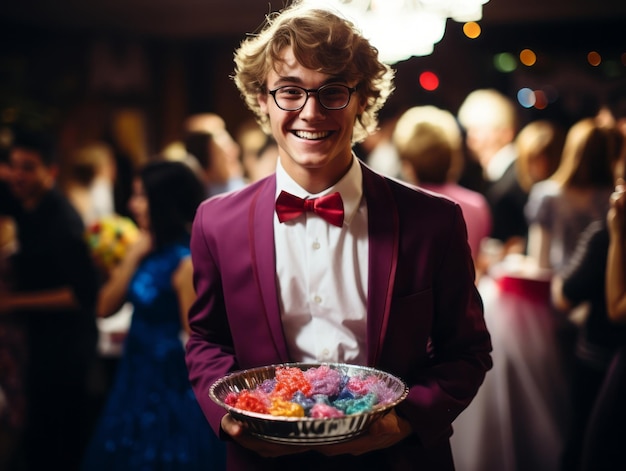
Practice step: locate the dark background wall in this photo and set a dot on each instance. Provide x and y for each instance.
(79, 66)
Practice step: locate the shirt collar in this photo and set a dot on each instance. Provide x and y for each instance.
(500, 162)
(350, 187)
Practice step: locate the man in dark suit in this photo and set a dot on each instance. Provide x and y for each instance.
(374, 272)
(490, 122)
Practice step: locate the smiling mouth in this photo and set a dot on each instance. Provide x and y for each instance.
(312, 136)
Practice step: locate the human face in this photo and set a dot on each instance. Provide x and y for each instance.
(30, 178)
(314, 144)
(139, 206)
(485, 140)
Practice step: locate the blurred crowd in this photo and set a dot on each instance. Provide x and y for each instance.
(94, 266)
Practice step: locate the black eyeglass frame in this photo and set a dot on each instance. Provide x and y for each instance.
(308, 92)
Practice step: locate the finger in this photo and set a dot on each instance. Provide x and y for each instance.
(231, 426)
(388, 424)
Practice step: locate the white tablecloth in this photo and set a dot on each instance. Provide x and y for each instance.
(516, 421)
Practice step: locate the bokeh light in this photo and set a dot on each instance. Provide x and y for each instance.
(527, 57)
(471, 29)
(505, 62)
(541, 100)
(594, 58)
(526, 97)
(429, 81)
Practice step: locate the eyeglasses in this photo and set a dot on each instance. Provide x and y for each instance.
(331, 96)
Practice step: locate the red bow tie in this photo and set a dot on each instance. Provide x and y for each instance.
(329, 207)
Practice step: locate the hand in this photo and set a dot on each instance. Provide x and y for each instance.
(385, 432)
(616, 218)
(141, 247)
(264, 448)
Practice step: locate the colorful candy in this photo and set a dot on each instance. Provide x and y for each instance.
(286, 408)
(289, 380)
(321, 392)
(253, 401)
(320, 411)
(324, 380)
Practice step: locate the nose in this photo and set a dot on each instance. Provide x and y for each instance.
(312, 108)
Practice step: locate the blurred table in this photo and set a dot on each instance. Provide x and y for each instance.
(516, 421)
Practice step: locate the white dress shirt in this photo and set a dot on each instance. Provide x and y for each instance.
(322, 275)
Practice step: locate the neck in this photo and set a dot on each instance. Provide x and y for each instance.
(316, 180)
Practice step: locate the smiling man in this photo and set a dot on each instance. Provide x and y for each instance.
(328, 261)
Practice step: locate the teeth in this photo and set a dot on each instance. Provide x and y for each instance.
(311, 135)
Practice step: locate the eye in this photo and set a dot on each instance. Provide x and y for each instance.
(334, 96)
(334, 90)
(290, 93)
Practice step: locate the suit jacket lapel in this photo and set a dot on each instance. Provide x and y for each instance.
(383, 256)
(261, 234)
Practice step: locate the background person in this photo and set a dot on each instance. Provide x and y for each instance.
(53, 292)
(151, 420)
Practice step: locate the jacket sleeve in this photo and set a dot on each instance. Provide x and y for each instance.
(209, 351)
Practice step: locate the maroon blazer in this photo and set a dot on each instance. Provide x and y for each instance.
(424, 315)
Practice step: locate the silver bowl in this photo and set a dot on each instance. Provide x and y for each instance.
(304, 430)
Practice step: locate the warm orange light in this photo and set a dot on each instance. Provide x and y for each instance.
(527, 57)
(471, 29)
(594, 58)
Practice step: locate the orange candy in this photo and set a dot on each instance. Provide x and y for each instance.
(289, 380)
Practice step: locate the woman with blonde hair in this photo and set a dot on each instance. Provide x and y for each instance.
(574, 196)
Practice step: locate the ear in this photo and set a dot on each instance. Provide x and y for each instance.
(262, 100)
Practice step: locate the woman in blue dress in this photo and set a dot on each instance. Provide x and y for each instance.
(151, 420)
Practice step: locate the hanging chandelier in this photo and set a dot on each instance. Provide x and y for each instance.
(401, 29)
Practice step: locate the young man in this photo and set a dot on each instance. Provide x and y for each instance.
(388, 282)
(53, 292)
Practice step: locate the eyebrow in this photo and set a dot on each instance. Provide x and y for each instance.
(291, 79)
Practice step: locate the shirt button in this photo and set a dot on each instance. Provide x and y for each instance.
(317, 299)
(325, 353)
(316, 245)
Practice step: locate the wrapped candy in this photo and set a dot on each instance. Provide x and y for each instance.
(324, 380)
(361, 386)
(284, 408)
(320, 392)
(357, 405)
(320, 411)
(384, 393)
(253, 401)
(306, 402)
(289, 380)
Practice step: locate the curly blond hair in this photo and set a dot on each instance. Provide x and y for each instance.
(323, 41)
